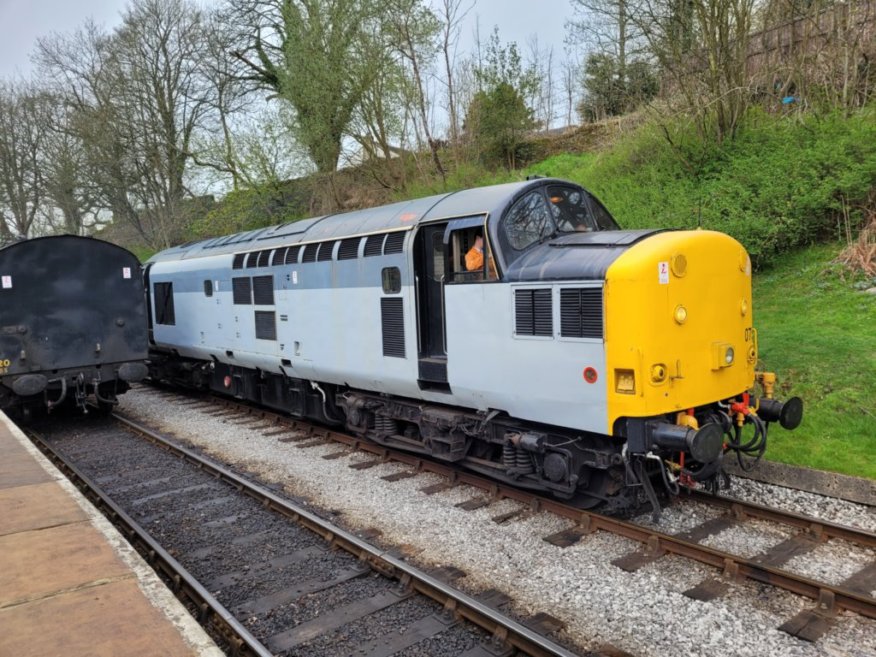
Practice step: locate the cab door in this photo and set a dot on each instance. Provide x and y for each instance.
(439, 258)
(429, 266)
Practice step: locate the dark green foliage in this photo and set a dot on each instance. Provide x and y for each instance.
(608, 92)
(779, 185)
(498, 117)
(499, 120)
(246, 209)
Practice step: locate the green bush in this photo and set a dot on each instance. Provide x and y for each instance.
(782, 183)
(247, 209)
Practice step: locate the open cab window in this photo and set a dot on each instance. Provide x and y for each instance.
(467, 263)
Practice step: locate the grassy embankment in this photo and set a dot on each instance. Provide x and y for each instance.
(818, 333)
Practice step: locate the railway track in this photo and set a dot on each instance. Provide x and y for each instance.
(264, 585)
(805, 533)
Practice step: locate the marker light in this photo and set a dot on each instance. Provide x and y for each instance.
(723, 355)
(680, 314)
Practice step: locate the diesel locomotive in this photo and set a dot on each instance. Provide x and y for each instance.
(598, 364)
(72, 323)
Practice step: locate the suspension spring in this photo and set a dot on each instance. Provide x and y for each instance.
(509, 456)
(385, 425)
(524, 462)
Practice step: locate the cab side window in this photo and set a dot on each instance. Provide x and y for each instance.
(462, 243)
(528, 221)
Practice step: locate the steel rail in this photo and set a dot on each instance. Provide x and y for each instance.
(494, 621)
(183, 584)
(590, 521)
(816, 526)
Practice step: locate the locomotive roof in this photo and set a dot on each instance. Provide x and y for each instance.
(405, 215)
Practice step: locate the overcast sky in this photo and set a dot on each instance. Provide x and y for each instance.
(23, 21)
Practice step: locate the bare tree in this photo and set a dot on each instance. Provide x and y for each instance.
(608, 26)
(570, 75)
(226, 98)
(414, 31)
(452, 14)
(140, 95)
(22, 135)
(702, 47)
(540, 62)
(69, 187)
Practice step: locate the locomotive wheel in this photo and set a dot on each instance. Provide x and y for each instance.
(599, 489)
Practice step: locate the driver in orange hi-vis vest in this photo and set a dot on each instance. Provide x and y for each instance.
(474, 259)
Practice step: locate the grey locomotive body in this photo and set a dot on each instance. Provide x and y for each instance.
(525, 367)
(72, 322)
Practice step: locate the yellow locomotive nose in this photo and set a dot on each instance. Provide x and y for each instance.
(678, 324)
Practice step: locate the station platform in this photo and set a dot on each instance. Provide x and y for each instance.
(70, 584)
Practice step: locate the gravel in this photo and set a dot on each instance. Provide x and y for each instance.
(829, 509)
(643, 613)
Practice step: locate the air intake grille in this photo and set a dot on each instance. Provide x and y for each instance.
(264, 258)
(263, 290)
(238, 261)
(533, 312)
(349, 249)
(374, 245)
(241, 291)
(292, 255)
(325, 251)
(392, 318)
(581, 313)
(310, 253)
(278, 257)
(395, 243)
(265, 325)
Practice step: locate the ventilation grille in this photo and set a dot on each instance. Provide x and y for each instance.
(292, 255)
(279, 257)
(581, 313)
(241, 291)
(264, 259)
(263, 290)
(374, 245)
(251, 259)
(265, 325)
(395, 243)
(349, 249)
(239, 259)
(325, 251)
(392, 318)
(533, 312)
(310, 253)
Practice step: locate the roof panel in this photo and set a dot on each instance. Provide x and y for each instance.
(397, 216)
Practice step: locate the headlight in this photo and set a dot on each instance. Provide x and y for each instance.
(728, 356)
